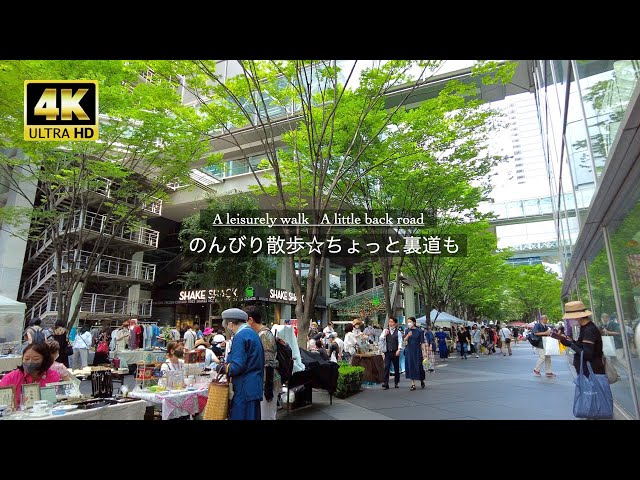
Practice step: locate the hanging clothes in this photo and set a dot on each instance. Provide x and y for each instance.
(138, 336)
(133, 341)
(155, 333)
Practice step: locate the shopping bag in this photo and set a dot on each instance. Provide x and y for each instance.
(551, 346)
(562, 348)
(217, 407)
(592, 398)
(610, 369)
(608, 346)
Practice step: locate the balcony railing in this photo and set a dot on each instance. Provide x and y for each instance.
(107, 187)
(95, 303)
(107, 265)
(96, 222)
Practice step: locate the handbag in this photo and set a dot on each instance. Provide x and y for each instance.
(217, 407)
(610, 368)
(593, 397)
(103, 347)
(69, 349)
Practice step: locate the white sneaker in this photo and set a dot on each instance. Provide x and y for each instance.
(477, 356)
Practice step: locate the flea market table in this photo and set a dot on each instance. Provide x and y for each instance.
(176, 403)
(10, 362)
(123, 411)
(373, 364)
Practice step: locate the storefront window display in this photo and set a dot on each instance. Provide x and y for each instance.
(625, 248)
(606, 318)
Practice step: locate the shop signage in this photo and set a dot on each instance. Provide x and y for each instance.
(282, 295)
(208, 296)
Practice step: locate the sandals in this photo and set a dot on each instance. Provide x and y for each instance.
(422, 384)
(413, 388)
(549, 374)
(536, 372)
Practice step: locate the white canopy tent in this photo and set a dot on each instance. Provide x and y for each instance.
(443, 319)
(11, 320)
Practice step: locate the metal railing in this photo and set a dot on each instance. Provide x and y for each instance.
(37, 278)
(107, 265)
(96, 222)
(106, 186)
(95, 303)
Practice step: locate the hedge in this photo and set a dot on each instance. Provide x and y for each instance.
(349, 380)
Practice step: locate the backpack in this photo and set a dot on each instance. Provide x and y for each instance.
(284, 355)
(534, 340)
(37, 336)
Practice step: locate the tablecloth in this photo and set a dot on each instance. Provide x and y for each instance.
(123, 411)
(176, 404)
(373, 366)
(10, 363)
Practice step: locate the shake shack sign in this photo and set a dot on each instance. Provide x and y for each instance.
(208, 296)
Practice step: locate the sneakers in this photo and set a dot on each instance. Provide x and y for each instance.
(397, 386)
(385, 386)
(550, 374)
(477, 356)
(536, 373)
(510, 353)
(504, 354)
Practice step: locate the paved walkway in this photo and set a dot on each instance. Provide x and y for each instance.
(491, 387)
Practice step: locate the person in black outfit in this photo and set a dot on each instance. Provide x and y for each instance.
(589, 341)
(60, 336)
(391, 345)
(465, 339)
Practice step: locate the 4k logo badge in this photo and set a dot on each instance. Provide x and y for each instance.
(60, 110)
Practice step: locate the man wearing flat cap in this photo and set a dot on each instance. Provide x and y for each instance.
(244, 366)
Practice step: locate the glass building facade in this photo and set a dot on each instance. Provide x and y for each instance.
(589, 115)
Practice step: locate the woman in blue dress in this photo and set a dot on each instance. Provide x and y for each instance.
(442, 343)
(414, 337)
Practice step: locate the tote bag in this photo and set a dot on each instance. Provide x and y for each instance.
(592, 398)
(608, 346)
(551, 346)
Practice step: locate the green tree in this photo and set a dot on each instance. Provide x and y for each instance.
(147, 139)
(533, 288)
(226, 270)
(314, 120)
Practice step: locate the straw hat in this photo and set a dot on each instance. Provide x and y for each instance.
(202, 342)
(575, 310)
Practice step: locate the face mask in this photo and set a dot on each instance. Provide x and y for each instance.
(179, 353)
(31, 368)
(410, 324)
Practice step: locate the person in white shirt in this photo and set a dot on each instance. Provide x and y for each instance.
(122, 337)
(210, 357)
(328, 331)
(505, 336)
(174, 359)
(391, 345)
(81, 346)
(350, 342)
(339, 341)
(476, 337)
(189, 338)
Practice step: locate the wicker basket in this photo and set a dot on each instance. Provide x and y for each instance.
(217, 407)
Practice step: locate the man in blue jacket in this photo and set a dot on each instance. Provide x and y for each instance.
(245, 366)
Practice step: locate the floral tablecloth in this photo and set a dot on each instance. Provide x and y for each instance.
(176, 404)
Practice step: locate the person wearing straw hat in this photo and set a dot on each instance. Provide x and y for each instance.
(244, 365)
(589, 341)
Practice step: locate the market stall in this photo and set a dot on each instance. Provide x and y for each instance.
(11, 320)
(123, 411)
(10, 362)
(139, 356)
(373, 364)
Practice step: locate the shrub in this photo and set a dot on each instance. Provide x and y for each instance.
(349, 380)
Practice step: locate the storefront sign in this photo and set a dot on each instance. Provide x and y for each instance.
(283, 296)
(208, 296)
